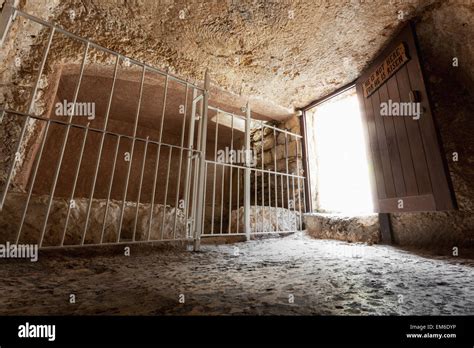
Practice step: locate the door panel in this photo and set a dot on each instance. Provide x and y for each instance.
(407, 171)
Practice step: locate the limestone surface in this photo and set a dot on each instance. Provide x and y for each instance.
(103, 223)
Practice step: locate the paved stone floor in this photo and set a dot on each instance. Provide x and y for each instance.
(291, 275)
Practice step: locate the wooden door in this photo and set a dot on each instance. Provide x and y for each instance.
(408, 172)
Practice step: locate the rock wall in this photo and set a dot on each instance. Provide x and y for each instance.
(363, 229)
(267, 219)
(452, 102)
(20, 55)
(12, 213)
(278, 152)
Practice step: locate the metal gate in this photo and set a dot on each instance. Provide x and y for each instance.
(71, 180)
(110, 183)
(246, 195)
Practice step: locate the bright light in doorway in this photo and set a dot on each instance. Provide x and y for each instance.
(343, 177)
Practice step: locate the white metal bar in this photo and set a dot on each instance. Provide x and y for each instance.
(247, 174)
(166, 192)
(294, 197)
(299, 187)
(283, 205)
(287, 172)
(183, 130)
(30, 110)
(109, 191)
(283, 131)
(158, 153)
(213, 108)
(202, 162)
(196, 179)
(214, 173)
(253, 233)
(95, 130)
(63, 146)
(222, 197)
(187, 182)
(132, 150)
(101, 146)
(33, 180)
(304, 196)
(76, 176)
(140, 188)
(238, 200)
(262, 208)
(230, 175)
(259, 170)
(73, 246)
(204, 203)
(275, 144)
(269, 195)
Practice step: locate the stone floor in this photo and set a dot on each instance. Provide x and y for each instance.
(291, 275)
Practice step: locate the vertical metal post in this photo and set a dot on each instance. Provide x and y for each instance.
(269, 197)
(109, 191)
(204, 203)
(287, 172)
(158, 153)
(230, 175)
(196, 172)
(202, 164)
(238, 200)
(166, 192)
(183, 130)
(247, 174)
(140, 188)
(299, 186)
(304, 157)
(214, 174)
(277, 227)
(262, 207)
(76, 176)
(222, 197)
(190, 153)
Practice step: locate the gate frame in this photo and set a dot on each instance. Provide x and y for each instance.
(8, 15)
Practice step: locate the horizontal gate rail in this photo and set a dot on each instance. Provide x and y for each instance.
(95, 130)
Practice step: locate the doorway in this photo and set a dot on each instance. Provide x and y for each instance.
(339, 172)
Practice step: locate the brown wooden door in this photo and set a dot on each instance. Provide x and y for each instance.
(407, 168)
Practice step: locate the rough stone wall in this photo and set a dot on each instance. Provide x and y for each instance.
(267, 219)
(19, 61)
(287, 52)
(453, 107)
(363, 229)
(287, 68)
(278, 149)
(31, 232)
